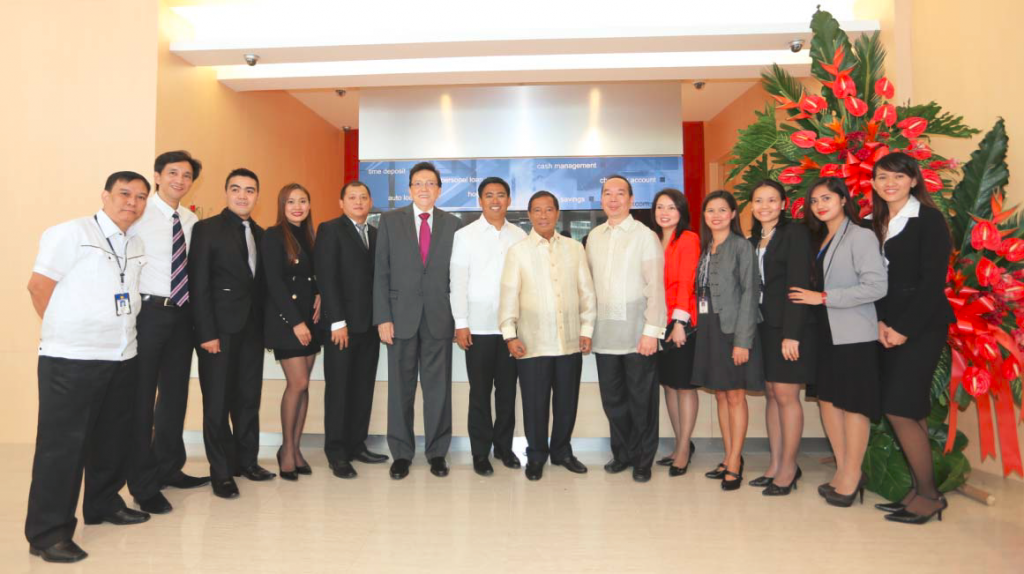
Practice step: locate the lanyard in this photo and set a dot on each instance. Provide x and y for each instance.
(703, 271)
(117, 260)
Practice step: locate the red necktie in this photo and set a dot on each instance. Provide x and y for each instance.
(424, 237)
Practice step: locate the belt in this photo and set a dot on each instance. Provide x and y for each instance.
(160, 301)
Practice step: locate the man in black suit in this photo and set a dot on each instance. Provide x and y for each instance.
(226, 290)
(344, 262)
(414, 318)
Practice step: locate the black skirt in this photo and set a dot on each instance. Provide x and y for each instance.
(310, 349)
(713, 368)
(907, 372)
(848, 376)
(675, 364)
(779, 370)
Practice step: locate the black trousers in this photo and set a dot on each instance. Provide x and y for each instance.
(232, 383)
(490, 366)
(165, 362)
(85, 415)
(550, 384)
(629, 394)
(351, 375)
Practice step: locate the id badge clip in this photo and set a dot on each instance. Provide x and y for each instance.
(122, 304)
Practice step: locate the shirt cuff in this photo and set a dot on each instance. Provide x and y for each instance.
(680, 315)
(508, 332)
(338, 325)
(48, 273)
(461, 323)
(587, 331)
(656, 332)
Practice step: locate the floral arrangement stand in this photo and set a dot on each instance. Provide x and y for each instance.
(842, 132)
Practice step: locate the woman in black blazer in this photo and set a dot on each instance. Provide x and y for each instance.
(783, 252)
(913, 318)
(292, 307)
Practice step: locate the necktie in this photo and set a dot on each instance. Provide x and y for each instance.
(362, 234)
(250, 245)
(424, 237)
(179, 262)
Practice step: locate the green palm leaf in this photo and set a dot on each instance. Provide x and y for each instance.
(986, 173)
(757, 172)
(828, 36)
(869, 69)
(778, 82)
(939, 123)
(754, 141)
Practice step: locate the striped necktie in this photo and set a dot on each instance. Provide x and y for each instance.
(179, 261)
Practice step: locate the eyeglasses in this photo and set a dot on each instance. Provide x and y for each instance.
(426, 184)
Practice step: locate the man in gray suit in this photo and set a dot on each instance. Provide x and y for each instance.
(413, 314)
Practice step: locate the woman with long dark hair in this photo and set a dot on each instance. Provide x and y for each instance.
(913, 320)
(783, 251)
(728, 358)
(292, 308)
(849, 276)
(675, 360)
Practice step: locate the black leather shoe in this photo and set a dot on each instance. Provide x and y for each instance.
(286, 474)
(615, 466)
(400, 468)
(482, 466)
(824, 489)
(761, 481)
(674, 470)
(572, 464)
(890, 506)
(344, 469)
(304, 470)
(123, 517)
(834, 498)
(907, 517)
(256, 473)
(534, 471)
(370, 457)
(64, 551)
(665, 461)
(731, 480)
(439, 467)
(225, 488)
(185, 481)
(155, 504)
(510, 460)
(641, 474)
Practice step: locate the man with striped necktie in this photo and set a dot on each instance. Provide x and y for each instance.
(165, 337)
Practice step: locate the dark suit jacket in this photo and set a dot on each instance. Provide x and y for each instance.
(345, 275)
(918, 259)
(732, 278)
(404, 290)
(291, 291)
(787, 263)
(221, 287)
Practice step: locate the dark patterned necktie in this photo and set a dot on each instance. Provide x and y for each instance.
(179, 261)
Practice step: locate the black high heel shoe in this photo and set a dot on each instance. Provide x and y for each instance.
(890, 506)
(304, 469)
(774, 489)
(719, 471)
(674, 470)
(761, 481)
(734, 484)
(907, 517)
(287, 475)
(846, 500)
(824, 489)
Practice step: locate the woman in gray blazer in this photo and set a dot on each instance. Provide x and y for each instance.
(849, 276)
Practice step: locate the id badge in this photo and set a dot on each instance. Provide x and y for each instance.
(702, 304)
(122, 304)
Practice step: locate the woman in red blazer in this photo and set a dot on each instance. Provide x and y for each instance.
(675, 360)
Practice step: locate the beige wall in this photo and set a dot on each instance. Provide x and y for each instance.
(79, 102)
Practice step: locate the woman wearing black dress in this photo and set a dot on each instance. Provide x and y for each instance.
(292, 307)
(913, 320)
(849, 276)
(783, 251)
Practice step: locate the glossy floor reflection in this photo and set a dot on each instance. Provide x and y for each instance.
(565, 523)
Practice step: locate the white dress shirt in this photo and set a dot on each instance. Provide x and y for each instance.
(154, 229)
(416, 211)
(547, 296)
(478, 256)
(81, 320)
(628, 266)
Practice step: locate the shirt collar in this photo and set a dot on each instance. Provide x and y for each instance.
(538, 239)
(626, 224)
(417, 211)
(108, 227)
(165, 209)
(484, 224)
(233, 217)
(911, 209)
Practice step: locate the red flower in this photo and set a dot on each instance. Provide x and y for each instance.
(856, 106)
(1008, 289)
(826, 146)
(932, 180)
(1012, 249)
(987, 272)
(791, 175)
(919, 150)
(803, 138)
(913, 127)
(976, 381)
(812, 104)
(797, 209)
(192, 207)
(843, 86)
(985, 235)
(939, 164)
(987, 347)
(884, 88)
(1010, 369)
(832, 170)
(886, 114)
(785, 103)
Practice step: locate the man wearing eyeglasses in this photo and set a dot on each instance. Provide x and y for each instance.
(413, 315)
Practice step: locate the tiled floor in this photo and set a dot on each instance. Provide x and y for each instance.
(565, 523)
